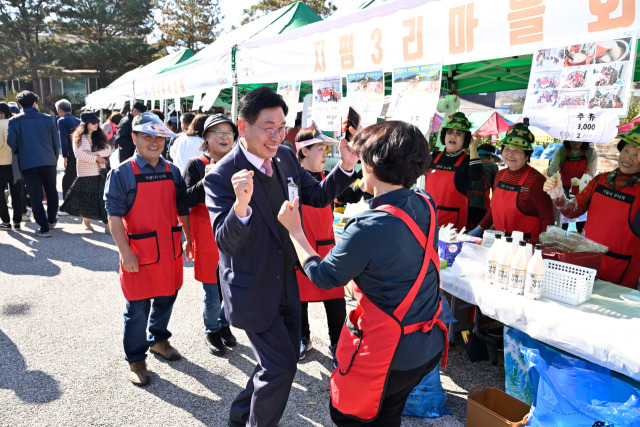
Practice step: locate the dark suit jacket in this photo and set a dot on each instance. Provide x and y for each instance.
(252, 256)
(124, 140)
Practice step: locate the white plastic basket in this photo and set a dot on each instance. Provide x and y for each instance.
(567, 283)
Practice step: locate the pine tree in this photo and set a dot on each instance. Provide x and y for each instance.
(189, 24)
(104, 35)
(323, 8)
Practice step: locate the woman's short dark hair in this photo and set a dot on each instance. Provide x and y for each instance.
(26, 98)
(397, 151)
(196, 128)
(257, 100)
(115, 118)
(583, 146)
(4, 109)
(303, 135)
(467, 138)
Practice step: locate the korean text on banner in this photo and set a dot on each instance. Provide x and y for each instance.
(415, 94)
(290, 92)
(327, 94)
(365, 93)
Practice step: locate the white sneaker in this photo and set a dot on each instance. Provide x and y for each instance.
(26, 217)
(60, 213)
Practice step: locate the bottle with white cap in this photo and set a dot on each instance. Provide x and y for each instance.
(504, 263)
(534, 282)
(492, 260)
(518, 269)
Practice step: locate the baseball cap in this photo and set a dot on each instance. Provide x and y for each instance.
(151, 124)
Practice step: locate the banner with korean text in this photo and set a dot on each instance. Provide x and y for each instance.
(402, 33)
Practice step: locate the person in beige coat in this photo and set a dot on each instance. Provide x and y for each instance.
(7, 177)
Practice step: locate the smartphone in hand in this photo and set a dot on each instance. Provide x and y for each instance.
(353, 119)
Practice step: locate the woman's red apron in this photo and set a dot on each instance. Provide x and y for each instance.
(573, 167)
(611, 213)
(154, 236)
(205, 249)
(370, 336)
(504, 209)
(452, 205)
(318, 227)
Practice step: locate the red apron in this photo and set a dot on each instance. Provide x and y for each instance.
(370, 336)
(154, 235)
(506, 215)
(573, 167)
(451, 204)
(319, 231)
(205, 250)
(611, 213)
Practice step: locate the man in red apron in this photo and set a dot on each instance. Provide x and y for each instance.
(144, 197)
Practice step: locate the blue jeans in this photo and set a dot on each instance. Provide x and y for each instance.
(136, 316)
(212, 309)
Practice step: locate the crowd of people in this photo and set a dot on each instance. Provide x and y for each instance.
(605, 100)
(575, 79)
(608, 76)
(256, 217)
(572, 102)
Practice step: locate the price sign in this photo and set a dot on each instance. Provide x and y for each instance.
(584, 126)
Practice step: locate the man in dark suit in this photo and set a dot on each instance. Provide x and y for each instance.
(244, 193)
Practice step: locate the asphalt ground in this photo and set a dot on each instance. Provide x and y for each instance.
(62, 362)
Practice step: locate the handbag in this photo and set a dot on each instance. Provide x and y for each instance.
(104, 171)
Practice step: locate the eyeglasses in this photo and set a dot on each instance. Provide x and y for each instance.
(455, 132)
(221, 134)
(272, 132)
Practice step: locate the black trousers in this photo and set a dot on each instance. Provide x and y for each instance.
(36, 179)
(17, 195)
(336, 310)
(399, 386)
(70, 173)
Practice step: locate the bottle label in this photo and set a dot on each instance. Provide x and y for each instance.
(503, 274)
(537, 281)
(492, 268)
(516, 280)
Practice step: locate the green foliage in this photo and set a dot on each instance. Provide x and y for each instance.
(634, 110)
(323, 8)
(107, 36)
(189, 24)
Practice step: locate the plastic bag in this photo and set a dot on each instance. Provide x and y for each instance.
(556, 239)
(575, 393)
(472, 259)
(427, 400)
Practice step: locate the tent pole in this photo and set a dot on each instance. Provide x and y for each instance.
(100, 116)
(234, 90)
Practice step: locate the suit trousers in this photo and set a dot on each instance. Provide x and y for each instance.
(70, 173)
(262, 402)
(35, 179)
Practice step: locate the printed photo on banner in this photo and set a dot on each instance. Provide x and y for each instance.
(592, 75)
(327, 94)
(365, 93)
(415, 93)
(290, 92)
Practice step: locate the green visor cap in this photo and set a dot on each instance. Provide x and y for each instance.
(632, 137)
(520, 137)
(458, 121)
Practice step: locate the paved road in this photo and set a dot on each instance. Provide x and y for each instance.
(62, 363)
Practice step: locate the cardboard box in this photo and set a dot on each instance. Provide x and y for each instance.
(490, 407)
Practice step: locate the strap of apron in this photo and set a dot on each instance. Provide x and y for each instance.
(204, 160)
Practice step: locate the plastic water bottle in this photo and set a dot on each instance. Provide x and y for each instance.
(492, 260)
(534, 283)
(518, 269)
(504, 264)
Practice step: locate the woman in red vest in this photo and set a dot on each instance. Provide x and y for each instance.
(518, 202)
(573, 160)
(612, 201)
(318, 225)
(219, 133)
(452, 171)
(395, 335)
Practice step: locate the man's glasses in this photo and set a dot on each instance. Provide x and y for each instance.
(221, 134)
(455, 132)
(273, 132)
